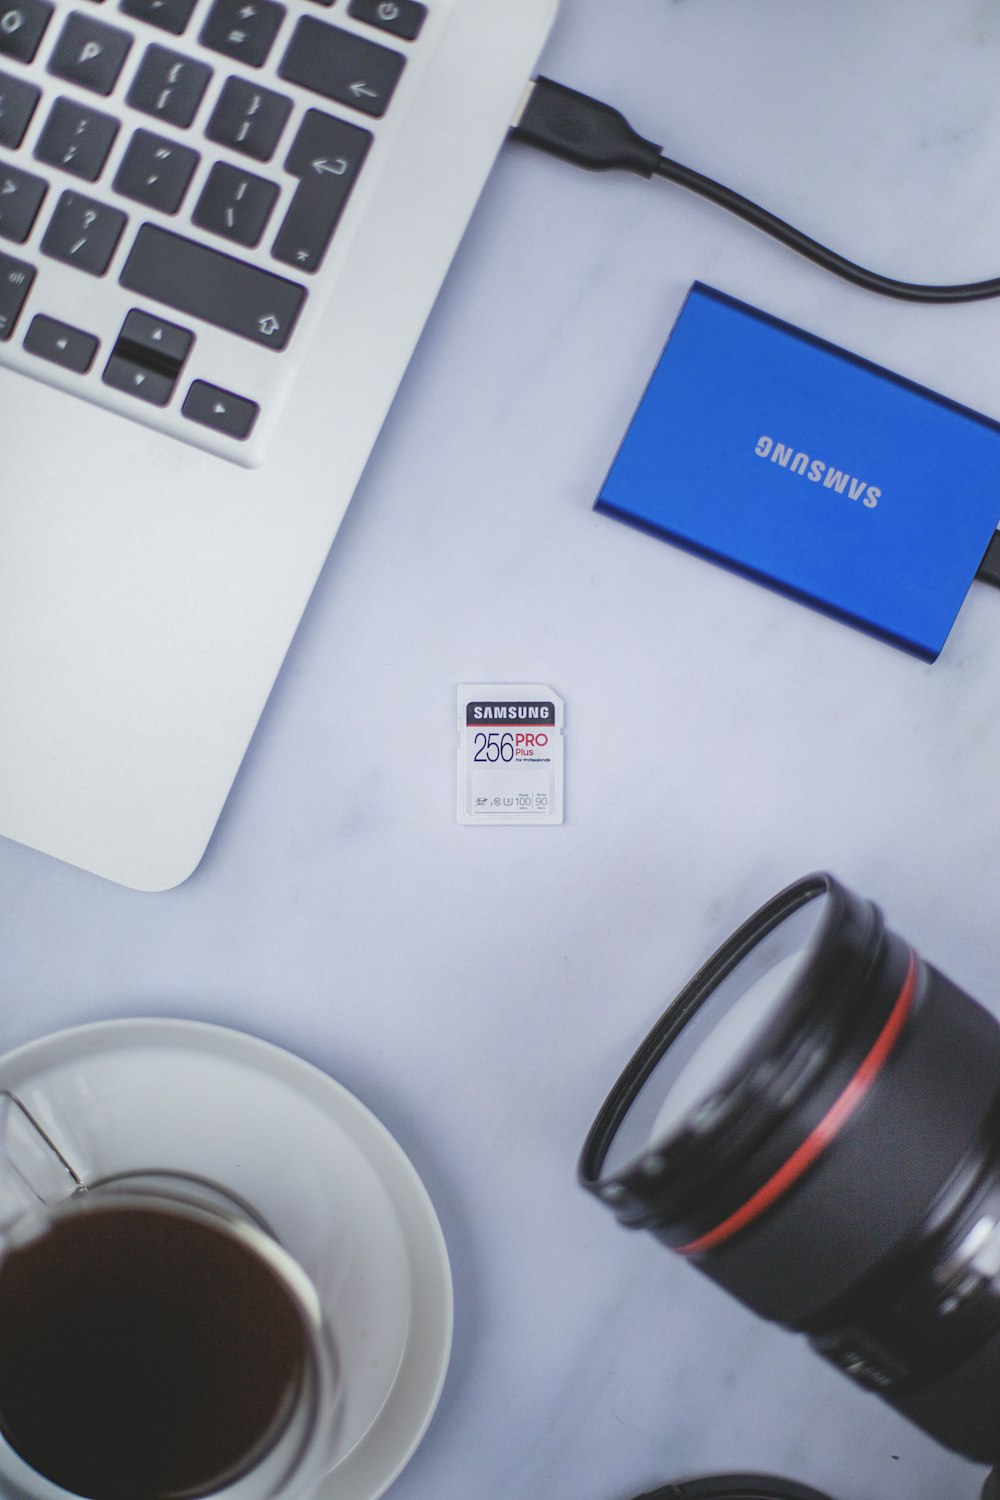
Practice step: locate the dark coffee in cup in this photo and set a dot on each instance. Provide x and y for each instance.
(145, 1354)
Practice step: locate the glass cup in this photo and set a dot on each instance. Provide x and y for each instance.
(156, 1341)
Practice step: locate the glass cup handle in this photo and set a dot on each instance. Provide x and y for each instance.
(33, 1171)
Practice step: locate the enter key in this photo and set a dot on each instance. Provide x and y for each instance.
(326, 156)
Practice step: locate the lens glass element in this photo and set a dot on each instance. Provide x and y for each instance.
(712, 1047)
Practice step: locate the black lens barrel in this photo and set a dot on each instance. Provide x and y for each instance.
(667, 1189)
(872, 1192)
(847, 1167)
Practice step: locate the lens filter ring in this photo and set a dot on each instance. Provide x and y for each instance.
(678, 1016)
(788, 1085)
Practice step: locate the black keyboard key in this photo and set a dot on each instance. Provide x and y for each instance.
(326, 156)
(90, 54)
(342, 66)
(148, 357)
(16, 277)
(155, 171)
(138, 380)
(244, 29)
(306, 229)
(327, 149)
(206, 284)
(248, 119)
(402, 17)
(169, 86)
(22, 26)
(169, 15)
(21, 197)
(213, 407)
(61, 344)
(153, 342)
(77, 139)
(17, 105)
(83, 233)
(235, 204)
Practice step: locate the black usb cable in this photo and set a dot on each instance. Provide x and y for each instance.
(590, 134)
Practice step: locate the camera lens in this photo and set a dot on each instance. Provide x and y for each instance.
(815, 1123)
(739, 1008)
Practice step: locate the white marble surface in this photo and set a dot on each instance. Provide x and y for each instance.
(480, 988)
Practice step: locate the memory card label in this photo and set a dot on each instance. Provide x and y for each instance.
(510, 754)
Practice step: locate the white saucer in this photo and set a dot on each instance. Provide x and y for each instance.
(320, 1168)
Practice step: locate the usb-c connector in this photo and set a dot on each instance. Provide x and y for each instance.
(581, 130)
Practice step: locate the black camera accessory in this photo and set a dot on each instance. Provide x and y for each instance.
(735, 1487)
(815, 1123)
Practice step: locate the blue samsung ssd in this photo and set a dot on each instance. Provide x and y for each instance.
(811, 470)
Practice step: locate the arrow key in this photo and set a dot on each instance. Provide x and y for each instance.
(152, 341)
(61, 344)
(138, 380)
(213, 407)
(148, 357)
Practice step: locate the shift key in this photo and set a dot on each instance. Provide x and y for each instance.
(217, 288)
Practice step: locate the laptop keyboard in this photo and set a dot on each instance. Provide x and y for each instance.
(176, 178)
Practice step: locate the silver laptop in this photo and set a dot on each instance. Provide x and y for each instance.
(222, 227)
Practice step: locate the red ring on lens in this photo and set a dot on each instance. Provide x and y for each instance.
(823, 1134)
